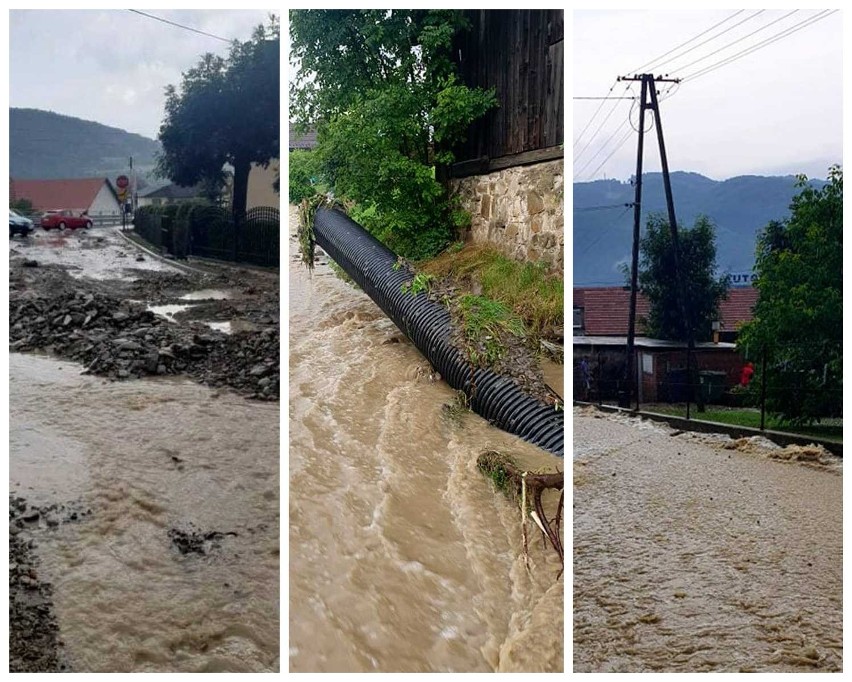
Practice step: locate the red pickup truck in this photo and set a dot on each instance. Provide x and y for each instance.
(61, 219)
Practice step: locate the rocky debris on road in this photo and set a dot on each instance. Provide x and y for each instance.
(123, 340)
(34, 642)
(195, 541)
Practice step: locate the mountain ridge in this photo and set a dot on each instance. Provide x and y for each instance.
(48, 145)
(739, 207)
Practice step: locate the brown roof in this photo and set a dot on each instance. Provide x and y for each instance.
(306, 141)
(606, 309)
(76, 194)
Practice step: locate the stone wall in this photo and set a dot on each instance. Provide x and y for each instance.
(519, 210)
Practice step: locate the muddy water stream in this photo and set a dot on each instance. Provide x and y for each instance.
(147, 457)
(692, 557)
(402, 557)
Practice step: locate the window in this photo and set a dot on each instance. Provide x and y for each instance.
(578, 318)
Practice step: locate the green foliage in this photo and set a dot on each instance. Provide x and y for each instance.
(381, 88)
(419, 285)
(528, 289)
(798, 318)
(302, 175)
(226, 111)
(483, 323)
(697, 262)
(23, 206)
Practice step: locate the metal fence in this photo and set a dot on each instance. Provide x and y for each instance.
(792, 378)
(209, 231)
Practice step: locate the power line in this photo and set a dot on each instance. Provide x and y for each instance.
(604, 232)
(601, 148)
(604, 98)
(597, 111)
(647, 64)
(602, 124)
(711, 38)
(601, 208)
(186, 28)
(738, 40)
(768, 41)
(617, 147)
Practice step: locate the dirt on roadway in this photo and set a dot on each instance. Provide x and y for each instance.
(699, 553)
(94, 298)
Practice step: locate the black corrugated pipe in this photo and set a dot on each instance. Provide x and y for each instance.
(427, 324)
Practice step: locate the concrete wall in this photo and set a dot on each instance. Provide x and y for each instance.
(519, 210)
(260, 180)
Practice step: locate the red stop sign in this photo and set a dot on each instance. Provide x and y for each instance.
(122, 182)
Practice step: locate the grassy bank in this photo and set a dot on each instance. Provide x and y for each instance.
(831, 429)
(527, 289)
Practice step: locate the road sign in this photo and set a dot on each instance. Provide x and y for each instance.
(122, 194)
(122, 182)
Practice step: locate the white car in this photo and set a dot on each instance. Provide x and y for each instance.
(18, 224)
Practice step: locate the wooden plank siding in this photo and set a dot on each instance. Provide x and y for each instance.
(520, 54)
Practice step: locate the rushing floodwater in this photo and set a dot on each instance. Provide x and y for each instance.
(148, 456)
(402, 557)
(690, 557)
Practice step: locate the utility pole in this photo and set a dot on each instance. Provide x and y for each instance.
(648, 100)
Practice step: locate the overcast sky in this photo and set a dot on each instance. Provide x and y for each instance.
(776, 111)
(111, 66)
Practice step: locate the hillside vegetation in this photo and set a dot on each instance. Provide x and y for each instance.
(45, 145)
(739, 207)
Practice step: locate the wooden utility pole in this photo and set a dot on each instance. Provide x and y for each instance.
(648, 100)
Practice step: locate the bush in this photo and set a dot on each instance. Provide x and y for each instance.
(303, 176)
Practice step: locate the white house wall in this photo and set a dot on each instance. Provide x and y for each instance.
(105, 203)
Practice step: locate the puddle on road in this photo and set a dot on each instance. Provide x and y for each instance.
(207, 295)
(224, 327)
(169, 311)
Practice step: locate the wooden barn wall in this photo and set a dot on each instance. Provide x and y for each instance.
(520, 54)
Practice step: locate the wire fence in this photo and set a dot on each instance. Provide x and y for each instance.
(791, 383)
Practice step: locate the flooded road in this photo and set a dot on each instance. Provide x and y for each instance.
(137, 461)
(144, 512)
(695, 554)
(402, 556)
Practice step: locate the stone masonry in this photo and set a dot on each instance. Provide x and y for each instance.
(519, 210)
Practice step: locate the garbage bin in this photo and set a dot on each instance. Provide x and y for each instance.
(712, 386)
(676, 386)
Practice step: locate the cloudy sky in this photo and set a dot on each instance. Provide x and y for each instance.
(111, 66)
(775, 111)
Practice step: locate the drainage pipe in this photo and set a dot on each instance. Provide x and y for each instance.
(426, 323)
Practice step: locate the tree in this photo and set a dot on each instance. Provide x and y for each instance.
(382, 90)
(697, 262)
(225, 111)
(798, 318)
(22, 205)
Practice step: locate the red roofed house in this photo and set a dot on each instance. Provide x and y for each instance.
(604, 311)
(600, 331)
(96, 196)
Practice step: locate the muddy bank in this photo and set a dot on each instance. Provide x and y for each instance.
(695, 552)
(34, 642)
(113, 333)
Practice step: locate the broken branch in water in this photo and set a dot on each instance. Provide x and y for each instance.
(527, 487)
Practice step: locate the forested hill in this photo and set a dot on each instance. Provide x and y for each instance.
(739, 207)
(45, 145)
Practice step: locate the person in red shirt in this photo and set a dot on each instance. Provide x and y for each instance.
(746, 374)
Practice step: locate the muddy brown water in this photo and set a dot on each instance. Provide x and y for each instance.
(692, 557)
(402, 557)
(148, 456)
